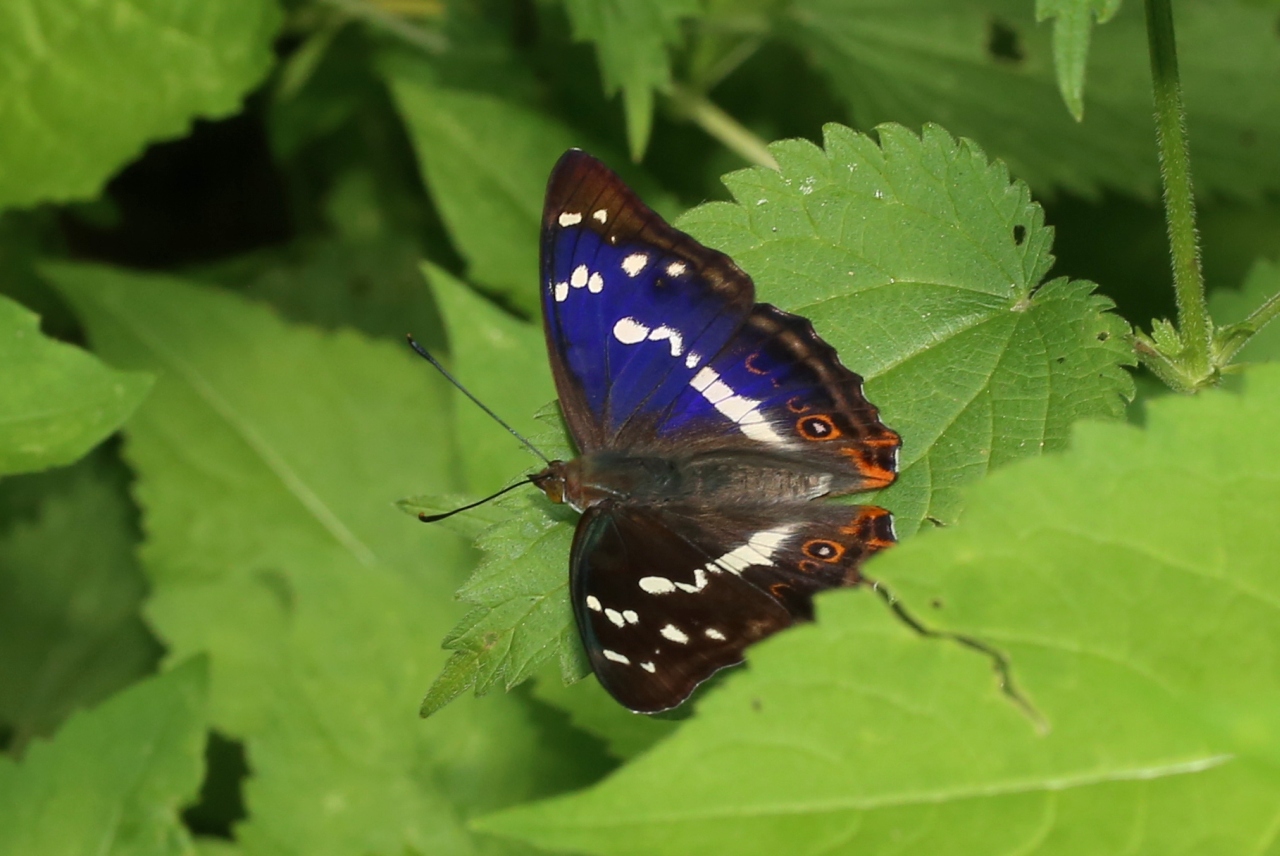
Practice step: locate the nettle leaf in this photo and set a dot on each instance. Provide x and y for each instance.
(56, 401)
(521, 617)
(985, 70)
(922, 264)
(115, 778)
(1124, 581)
(85, 86)
(268, 462)
(1072, 25)
(632, 38)
(70, 596)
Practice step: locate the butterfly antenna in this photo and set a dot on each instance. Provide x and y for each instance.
(426, 355)
(432, 518)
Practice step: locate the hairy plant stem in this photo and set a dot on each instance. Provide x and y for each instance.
(1195, 329)
(697, 108)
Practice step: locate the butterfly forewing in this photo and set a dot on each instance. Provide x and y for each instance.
(615, 274)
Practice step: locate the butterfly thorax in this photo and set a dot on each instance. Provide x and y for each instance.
(698, 479)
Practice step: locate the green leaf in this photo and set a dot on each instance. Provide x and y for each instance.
(269, 459)
(85, 86)
(921, 264)
(1131, 585)
(372, 285)
(502, 360)
(56, 402)
(522, 618)
(592, 709)
(985, 70)
(1232, 306)
(486, 160)
(1072, 25)
(115, 778)
(70, 595)
(632, 38)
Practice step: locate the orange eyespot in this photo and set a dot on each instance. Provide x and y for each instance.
(817, 428)
(796, 406)
(823, 550)
(750, 363)
(807, 567)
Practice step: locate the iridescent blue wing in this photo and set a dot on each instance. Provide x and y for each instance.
(665, 596)
(613, 270)
(657, 344)
(776, 389)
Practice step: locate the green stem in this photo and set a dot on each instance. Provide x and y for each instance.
(698, 109)
(428, 40)
(1194, 325)
(1231, 339)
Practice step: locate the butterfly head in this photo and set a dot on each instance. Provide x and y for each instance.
(554, 481)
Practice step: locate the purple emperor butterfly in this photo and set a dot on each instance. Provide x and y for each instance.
(707, 426)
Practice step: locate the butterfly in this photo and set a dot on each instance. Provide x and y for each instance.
(707, 425)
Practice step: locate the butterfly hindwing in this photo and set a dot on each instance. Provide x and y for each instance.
(666, 596)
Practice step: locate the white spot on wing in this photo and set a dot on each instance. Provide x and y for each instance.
(570, 219)
(616, 657)
(579, 277)
(676, 268)
(699, 582)
(758, 550)
(635, 263)
(593, 603)
(629, 331)
(675, 634)
(657, 585)
(562, 291)
(758, 429)
(692, 360)
(631, 616)
(649, 667)
(712, 633)
(595, 283)
(737, 408)
(704, 379)
(672, 336)
(601, 215)
(615, 616)
(745, 412)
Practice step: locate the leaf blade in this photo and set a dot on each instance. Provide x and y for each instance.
(858, 735)
(59, 401)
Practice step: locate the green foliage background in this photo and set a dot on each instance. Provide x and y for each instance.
(218, 221)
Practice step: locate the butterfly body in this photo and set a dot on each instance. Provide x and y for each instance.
(708, 426)
(710, 478)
